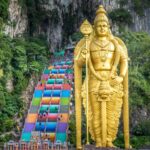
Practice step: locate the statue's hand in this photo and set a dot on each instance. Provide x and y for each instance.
(117, 80)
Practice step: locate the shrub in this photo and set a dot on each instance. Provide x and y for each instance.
(140, 5)
(4, 9)
(123, 2)
(2, 100)
(19, 58)
(143, 128)
(9, 124)
(121, 16)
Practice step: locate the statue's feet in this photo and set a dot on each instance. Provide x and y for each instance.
(79, 148)
(98, 144)
(110, 144)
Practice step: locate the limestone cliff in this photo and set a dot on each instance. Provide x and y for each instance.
(17, 23)
(57, 19)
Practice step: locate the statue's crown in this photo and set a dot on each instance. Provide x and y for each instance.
(100, 10)
(101, 15)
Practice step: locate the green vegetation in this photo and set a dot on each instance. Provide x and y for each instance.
(138, 44)
(123, 3)
(4, 9)
(143, 128)
(139, 67)
(140, 5)
(121, 16)
(72, 127)
(135, 141)
(137, 5)
(20, 58)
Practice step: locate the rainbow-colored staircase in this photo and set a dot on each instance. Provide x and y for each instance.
(48, 115)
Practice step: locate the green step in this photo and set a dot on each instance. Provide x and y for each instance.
(65, 100)
(36, 101)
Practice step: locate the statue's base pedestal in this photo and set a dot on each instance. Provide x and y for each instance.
(92, 147)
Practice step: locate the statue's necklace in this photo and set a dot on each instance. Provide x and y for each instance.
(101, 43)
(105, 54)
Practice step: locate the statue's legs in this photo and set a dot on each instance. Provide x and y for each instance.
(113, 115)
(96, 120)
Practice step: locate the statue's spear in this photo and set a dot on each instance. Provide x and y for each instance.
(86, 29)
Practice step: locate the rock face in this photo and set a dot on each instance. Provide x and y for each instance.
(63, 17)
(17, 23)
(27, 97)
(139, 115)
(141, 23)
(9, 85)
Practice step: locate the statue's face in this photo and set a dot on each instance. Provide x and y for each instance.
(101, 28)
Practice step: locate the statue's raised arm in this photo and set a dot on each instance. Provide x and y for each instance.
(105, 88)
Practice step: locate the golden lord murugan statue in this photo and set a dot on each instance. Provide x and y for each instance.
(105, 88)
